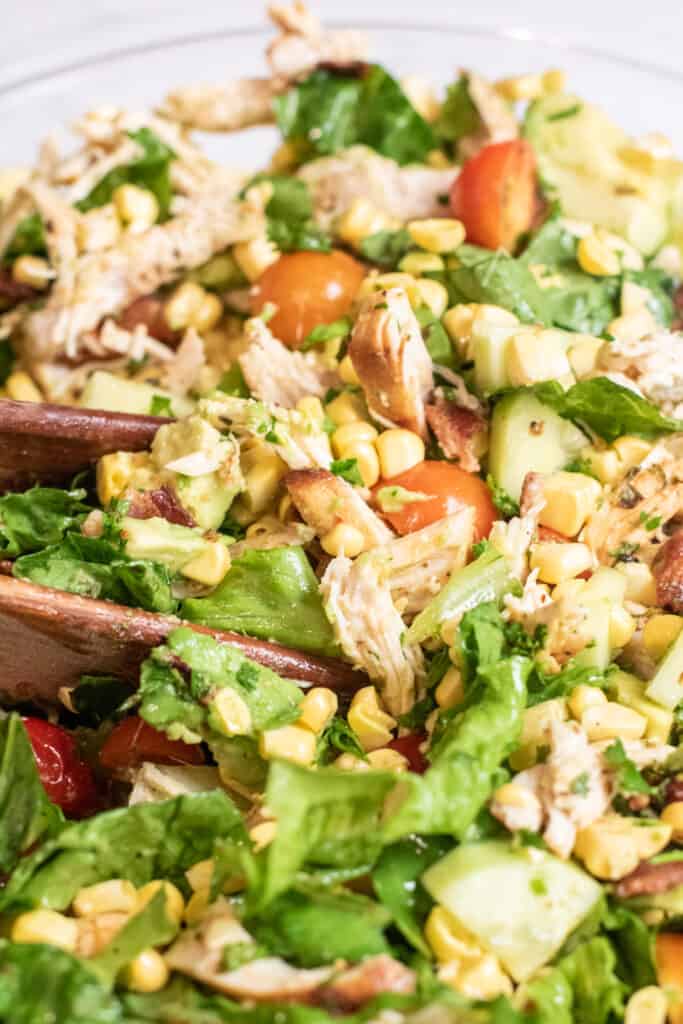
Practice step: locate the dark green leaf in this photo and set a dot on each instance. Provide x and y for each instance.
(627, 776)
(6, 360)
(386, 248)
(598, 995)
(327, 332)
(97, 698)
(150, 927)
(458, 115)
(635, 946)
(348, 470)
(233, 383)
(160, 406)
(396, 880)
(28, 240)
(38, 517)
(498, 279)
(338, 738)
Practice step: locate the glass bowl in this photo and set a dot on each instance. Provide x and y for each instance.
(640, 97)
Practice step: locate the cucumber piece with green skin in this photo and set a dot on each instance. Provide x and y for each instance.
(666, 685)
(489, 348)
(527, 436)
(105, 391)
(599, 652)
(520, 903)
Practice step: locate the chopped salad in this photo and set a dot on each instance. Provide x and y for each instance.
(420, 396)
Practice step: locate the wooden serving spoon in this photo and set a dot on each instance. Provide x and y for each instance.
(51, 443)
(49, 638)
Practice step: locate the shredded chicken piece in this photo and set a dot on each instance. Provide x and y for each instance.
(391, 359)
(154, 782)
(180, 374)
(524, 609)
(303, 43)
(323, 500)
(406, 193)
(372, 977)
(513, 538)
(654, 364)
(272, 533)
(462, 434)
(367, 625)
(223, 108)
(498, 121)
(276, 374)
(642, 752)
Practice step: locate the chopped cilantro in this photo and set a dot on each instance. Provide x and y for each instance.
(248, 675)
(650, 522)
(348, 470)
(561, 115)
(506, 505)
(160, 406)
(327, 332)
(628, 777)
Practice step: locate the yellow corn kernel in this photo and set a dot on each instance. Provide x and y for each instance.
(200, 875)
(210, 566)
(137, 207)
(232, 712)
(673, 815)
(181, 308)
(519, 797)
(482, 979)
(553, 81)
(640, 583)
(612, 721)
(312, 408)
(285, 158)
(437, 234)
(533, 355)
(605, 582)
(351, 434)
(175, 904)
(584, 355)
(447, 938)
(559, 562)
(115, 895)
(346, 408)
(367, 458)
(261, 483)
(398, 451)
(263, 834)
(33, 271)
(536, 730)
(432, 294)
(351, 763)
(347, 371)
(648, 1005)
(343, 539)
(98, 229)
(114, 473)
(318, 708)
(633, 326)
(21, 388)
(622, 626)
(208, 313)
(520, 87)
(387, 760)
(392, 279)
(372, 725)
(458, 320)
(362, 219)
(197, 905)
(147, 972)
(438, 159)
(46, 926)
(596, 257)
(422, 96)
(612, 847)
(604, 462)
(417, 263)
(584, 697)
(631, 450)
(290, 743)
(451, 690)
(659, 633)
(255, 256)
(570, 498)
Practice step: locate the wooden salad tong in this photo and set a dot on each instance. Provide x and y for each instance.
(48, 638)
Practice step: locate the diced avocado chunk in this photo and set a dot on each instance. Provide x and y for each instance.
(629, 690)
(666, 686)
(105, 391)
(520, 903)
(164, 542)
(527, 436)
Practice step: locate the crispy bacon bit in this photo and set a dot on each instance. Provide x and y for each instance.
(648, 879)
(668, 571)
(674, 790)
(370, 978)
(460, 432)
(148, 312)
(162, 502)
(13, 290)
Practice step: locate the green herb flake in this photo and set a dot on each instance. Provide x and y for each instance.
(348, 470)
(581, 784)
(628, 777)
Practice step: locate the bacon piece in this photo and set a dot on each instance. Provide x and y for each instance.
(13, 290)
(460, 432)
(372, 977)
(668, 571)
(648, 879)
(163, 503)
(148, 312)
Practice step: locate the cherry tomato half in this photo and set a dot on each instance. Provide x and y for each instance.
(450, 488)
(308, 288)
(133, 741)
(495, 194)
(409, 746)
(67, 780)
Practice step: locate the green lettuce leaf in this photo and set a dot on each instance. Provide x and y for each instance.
(151, 170)
(598, 994)
(458, 115)
(150, 927)
(26, 813)
(97, 698)
(38, 517)
(634, 944)
(498, 279)
(271, 594)
(140, 843)
(661, 288)
(28, 239)
(396, 881)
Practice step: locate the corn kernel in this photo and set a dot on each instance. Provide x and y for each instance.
(318, 708)
(484, 979)
(351, 763)
(46, 926)
(604, 463)
(372, 725)
(392, 279)
(398, 451)
(263, 834)
(553, 81)
(640, 583)
(181, 308)
(197, 905)
(631, 450)
(346, 408)
(673, 815)
(417, 263)
(458, 321)
(438, 159)
(612, 847)
(448, 939)
(350, 434)
(648, 1005)
(137, 207)
(387, 760)
(533, 356)
(200, 875)
(208, 313)
(622, 626)
(596, 257)
(347, 371)
(612, 721)
(98, 229)
(232, 712)
(659, 633)
(514, 795)
(451, 690)
(570, 498)
(261, 483)
(438, 234)
(422, 96)
(290, 742)
(114, 473)
(584, 355)
(559, 562)
(367, 458)
(147, 972)
(343, 539)
(584, 697)
(117, 894)
(255, 256)
(362, 219)
(432, 294)
(520, 87)
(33, 271)
(21, 388)
(210, 566)
(175, 904)
(285, 157)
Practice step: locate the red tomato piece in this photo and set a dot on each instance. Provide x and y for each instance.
(133, 741)
(308, 288)
(409, 746)
(450, 488)
(495, 194)
(67, 779)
